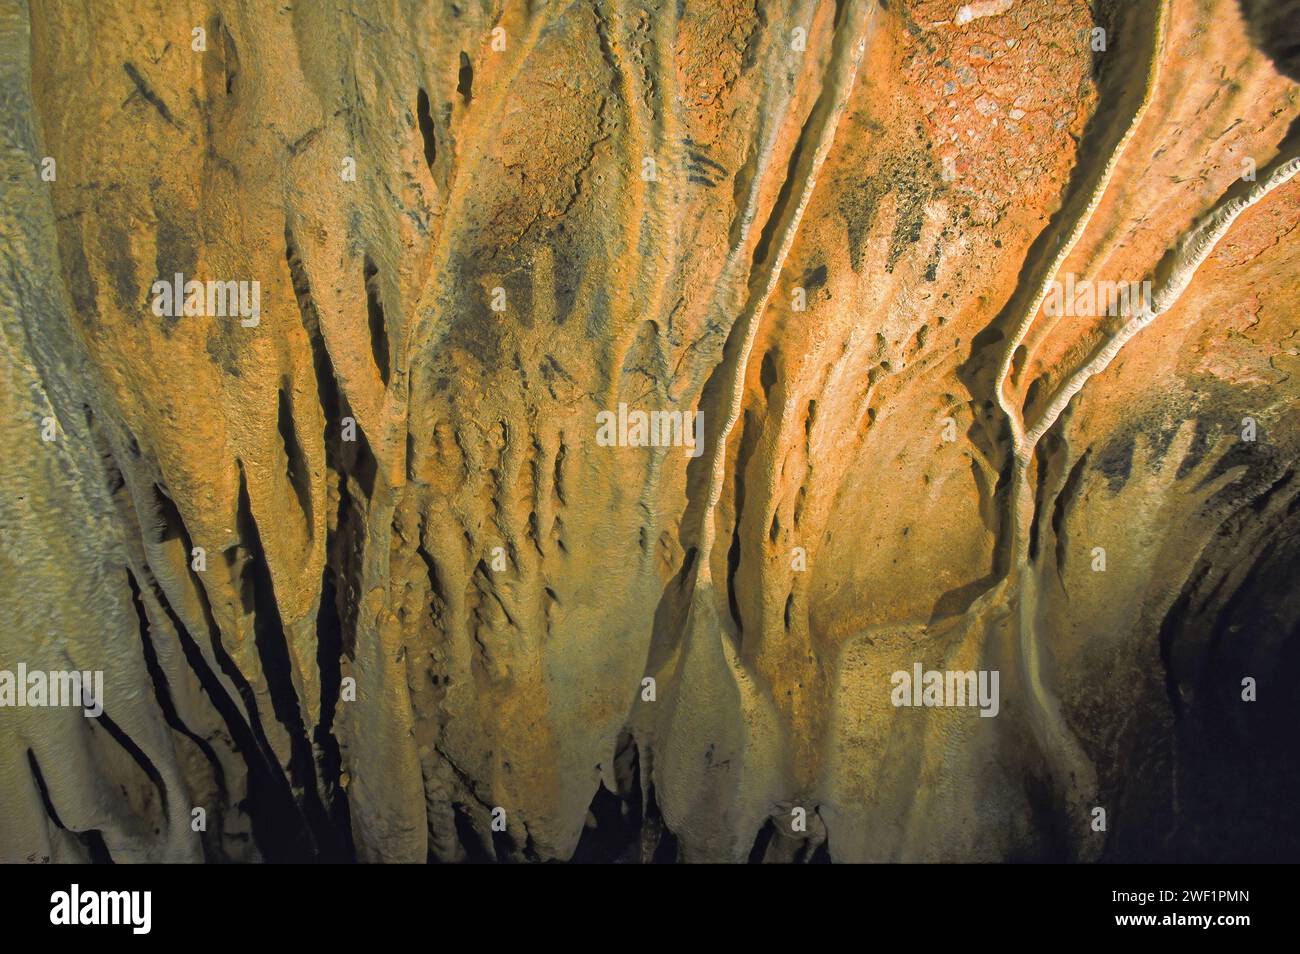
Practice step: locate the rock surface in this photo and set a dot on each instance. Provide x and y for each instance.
(361, 575)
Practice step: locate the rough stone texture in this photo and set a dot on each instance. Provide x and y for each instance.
(918, 171)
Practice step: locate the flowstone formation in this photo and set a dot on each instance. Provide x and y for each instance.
(614, 430)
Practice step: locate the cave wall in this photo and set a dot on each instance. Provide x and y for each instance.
(429, 595)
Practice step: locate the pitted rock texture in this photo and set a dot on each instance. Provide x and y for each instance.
(428, 598)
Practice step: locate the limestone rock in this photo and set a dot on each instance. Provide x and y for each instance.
(380, 566)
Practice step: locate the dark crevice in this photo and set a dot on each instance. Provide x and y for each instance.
(229, 57)
(812, 127)
(346, 543)
(286, 835)
(613, 830)
(659, 845)
(258, 594)
(335, 615)
(277, 824)
(138, 755)
(1069, 491)
(169, 525)
(761, 842)
(92, 840)
(1043, 453)
(688, 564)
(822, 854)
(793, 848)
(326, 383)
(358, 461)
(774, 221)
(329, 758)
(615, 825)
(767, 375)
(626, 828)
(748, 441)
(504, 847)
(162, 691)
(535, 532)
(467, 834)
(437, 591)
(465, 78)
(425, 121)
(375, 317)
(297, 469)
(558, 476)
(1004, 548)
(1018, 364)
(741, 184)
